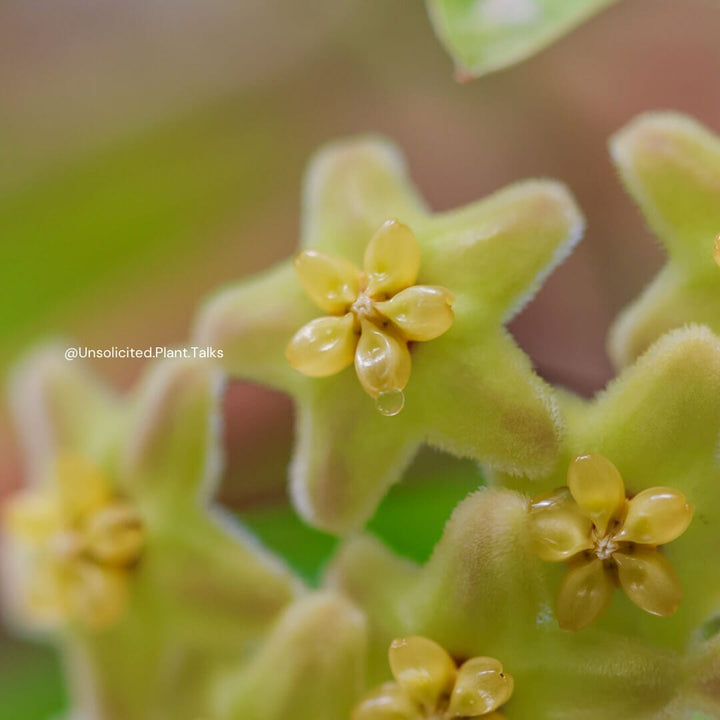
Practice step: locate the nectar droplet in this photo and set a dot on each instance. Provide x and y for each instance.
(391, 402)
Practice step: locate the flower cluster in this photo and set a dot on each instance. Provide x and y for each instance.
(117, 546)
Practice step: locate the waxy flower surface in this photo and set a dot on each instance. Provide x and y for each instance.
(115, 545)
(376, 314)
(430, 686)
(609, 540)
(452, 278)
(670, 165)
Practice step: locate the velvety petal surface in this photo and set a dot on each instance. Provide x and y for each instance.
(670, 165)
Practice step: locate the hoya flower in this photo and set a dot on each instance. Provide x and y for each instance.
(609, 539)
(486, 592)
(670, 165)
(487, 35)
(429, 684)
(376, 313)
(114, 544)
(424, 317)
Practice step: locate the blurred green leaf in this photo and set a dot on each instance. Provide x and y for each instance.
(487, 35)
(31, 686)
(110, 217)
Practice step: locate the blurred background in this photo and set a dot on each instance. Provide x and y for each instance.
(152, 150)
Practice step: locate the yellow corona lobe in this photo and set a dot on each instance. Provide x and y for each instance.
(428, 684)
(656, 516)
(421, 312)
(382, 361)
(481, 688)
(331, 283)
(650, 581)
(392, 259)
(422, 668)
(373, 315)
(558, 529)
(584, 595)
(324, 346)
(597, 487)
(115, 535)
(80, 546)
(608, 540)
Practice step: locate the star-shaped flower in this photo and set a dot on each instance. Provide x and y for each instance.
(486, 592)
(152, 589)
(429, 684)
(470, 390)
(670, 164)
(609, 540)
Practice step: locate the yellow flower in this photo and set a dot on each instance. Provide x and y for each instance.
(430, 686)
(373, 315)
(609, 540)
(80, 542)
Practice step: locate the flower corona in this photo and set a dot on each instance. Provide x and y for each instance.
(81, 541)
(372, 315)
(429, 685)
(609, 540)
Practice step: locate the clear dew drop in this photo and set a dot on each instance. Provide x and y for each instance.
(391, 402)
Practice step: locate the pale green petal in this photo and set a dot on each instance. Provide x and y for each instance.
(377, 580)
(347, 454)
(59, 407)
(253, 323)
(704, 677)
(173, 446)
(483, 401)
(481, 583)
(494, 254)
(486, 35)
(213, 575)
(352, 187)
(670, 164)
(309, 668)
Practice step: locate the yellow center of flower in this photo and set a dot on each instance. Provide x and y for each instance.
(430, 686)
(609, 540)
(79, 542)
(372, 314)
(716, 250)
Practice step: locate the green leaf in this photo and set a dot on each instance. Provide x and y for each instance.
(487, 35)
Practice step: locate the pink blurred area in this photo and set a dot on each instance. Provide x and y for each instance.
(78, 78)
